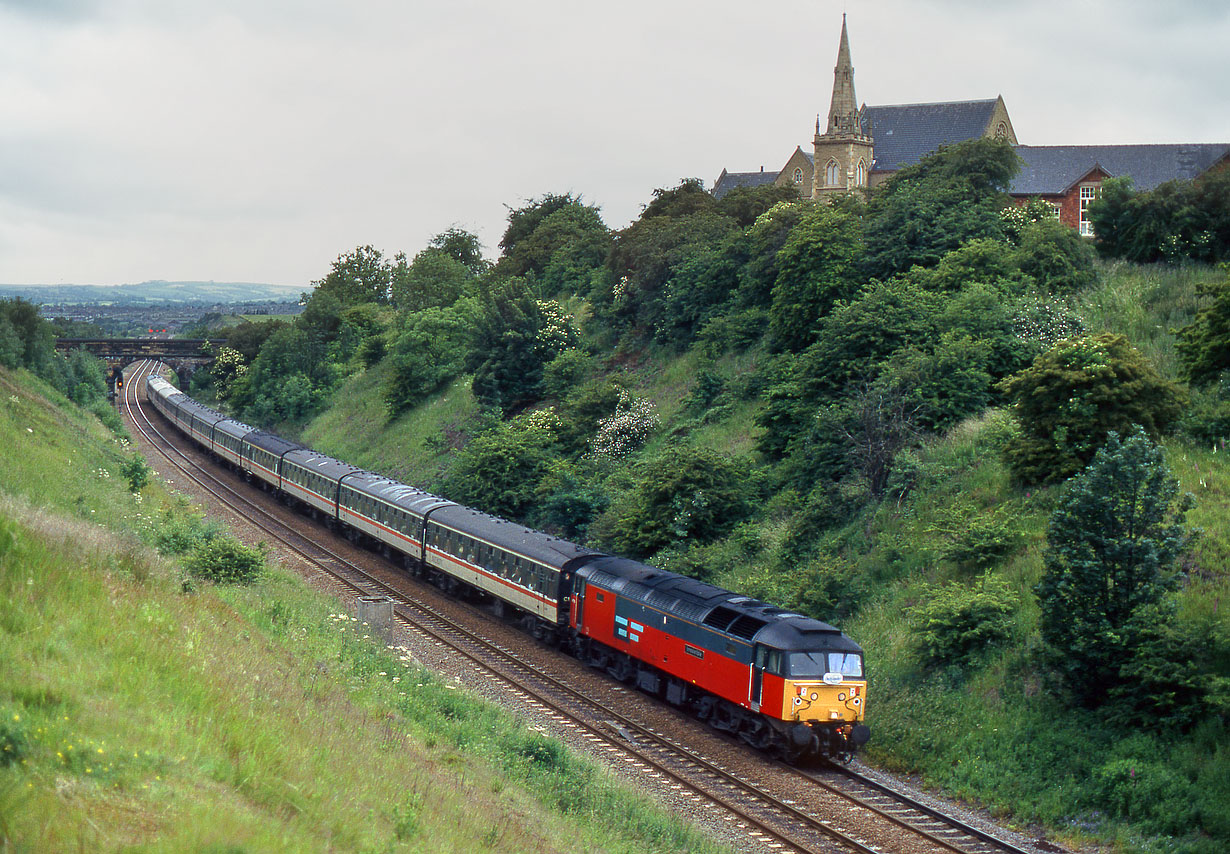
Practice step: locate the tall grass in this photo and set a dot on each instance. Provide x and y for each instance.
(137, 714)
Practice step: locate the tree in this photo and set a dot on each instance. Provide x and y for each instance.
(817, 266)
(361, 275)
(1204, 344)
(429, 352)
(1111, 546)
(461, 246)
(934, 206)
(550, 229)
(499, 470)
(513, 336)
(435, 279)
(1074, 394)
(1174, 221)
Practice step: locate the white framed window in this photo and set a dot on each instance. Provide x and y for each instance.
(798, 175)
(1056, 209)
(860, 175)
(831, 174)
(1088, 192)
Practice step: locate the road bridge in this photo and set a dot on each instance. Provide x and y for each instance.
(183, 355)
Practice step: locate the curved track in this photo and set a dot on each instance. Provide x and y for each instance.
(775, 823)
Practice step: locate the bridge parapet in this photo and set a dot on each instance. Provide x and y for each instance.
(144, 348)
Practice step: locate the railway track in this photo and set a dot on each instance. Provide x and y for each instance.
(772, 822)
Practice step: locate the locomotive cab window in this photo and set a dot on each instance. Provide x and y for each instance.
(813, 665)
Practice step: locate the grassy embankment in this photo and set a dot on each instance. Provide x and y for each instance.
(991, 732)
(137, 711)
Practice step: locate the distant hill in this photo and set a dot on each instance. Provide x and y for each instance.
(154, 292)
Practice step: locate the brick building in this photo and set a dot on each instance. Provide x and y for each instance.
(860, 146)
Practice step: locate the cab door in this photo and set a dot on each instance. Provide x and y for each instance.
(760, 654)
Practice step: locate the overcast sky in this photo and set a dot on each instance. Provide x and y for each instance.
(256, 140)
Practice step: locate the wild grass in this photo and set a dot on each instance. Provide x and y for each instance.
(1146, 304)
(415, 447)
(136, 713)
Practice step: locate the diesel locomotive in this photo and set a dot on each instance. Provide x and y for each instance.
(783, 682)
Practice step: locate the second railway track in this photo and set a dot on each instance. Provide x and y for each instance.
(847, 813)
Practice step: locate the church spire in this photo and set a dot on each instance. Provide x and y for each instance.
(843, 110)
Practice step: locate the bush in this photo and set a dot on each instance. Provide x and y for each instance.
(225, 560)
(137, 471)
(1074, 394)
(181, 529)
(14, 742)
(957, 625)
(683, 493)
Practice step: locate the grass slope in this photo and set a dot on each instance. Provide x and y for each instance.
(137, 712)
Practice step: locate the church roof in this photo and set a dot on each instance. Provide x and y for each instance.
(1053, 169)
(905, 133)
(727, 181)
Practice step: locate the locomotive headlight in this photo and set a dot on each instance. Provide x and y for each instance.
(841, 697)
(857, 701)
(815, 696)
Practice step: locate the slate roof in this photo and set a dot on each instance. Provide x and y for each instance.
(905, 133)
(727, 181)
(1053, 169)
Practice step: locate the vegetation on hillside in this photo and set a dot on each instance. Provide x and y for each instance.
(876, 411)
(148, 701)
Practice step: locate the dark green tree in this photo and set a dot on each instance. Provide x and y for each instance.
(746, 204)
(817, 266)
(499, 470)
(645, 256)
(513, 337)
(559, 230)
(682, 494)
(1074, 394)
(1109, 563)
(930, 208)
(1204, 344)
(463, 247)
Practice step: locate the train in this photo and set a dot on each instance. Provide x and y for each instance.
(785, 683)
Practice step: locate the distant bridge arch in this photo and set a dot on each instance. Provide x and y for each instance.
(183, 355)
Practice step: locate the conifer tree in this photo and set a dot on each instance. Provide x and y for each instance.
(1111, 548)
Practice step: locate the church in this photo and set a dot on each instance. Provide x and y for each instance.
(861, 146)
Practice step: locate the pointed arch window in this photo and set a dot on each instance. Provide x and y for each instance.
(830, 174)
(860, 175)
(798, 175)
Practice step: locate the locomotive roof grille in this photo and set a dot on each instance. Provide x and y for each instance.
(721, 617)
(747, 626)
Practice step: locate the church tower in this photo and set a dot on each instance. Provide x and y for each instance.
(843, 153)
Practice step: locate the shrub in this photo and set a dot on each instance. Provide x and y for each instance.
(627, 430)
(956, 625)
(225, 560)
(499, 471)
(978, 540)
(1074, 394)
(683, 493)
(180, 529)
(13, 739)
(137, 471)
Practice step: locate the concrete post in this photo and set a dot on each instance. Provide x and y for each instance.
(377, 613)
